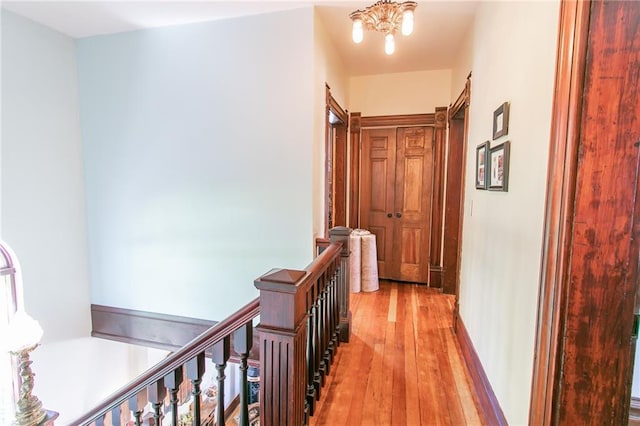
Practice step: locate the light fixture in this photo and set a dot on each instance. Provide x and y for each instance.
(24, 335)
(387, 17)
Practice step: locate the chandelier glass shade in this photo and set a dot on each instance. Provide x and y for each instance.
(387, 17)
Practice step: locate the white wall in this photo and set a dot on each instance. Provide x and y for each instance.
(72, 385)
(328, 69)
(463, 64)
(400, 93)
(514, 60)
(198, 160)
(43, 204)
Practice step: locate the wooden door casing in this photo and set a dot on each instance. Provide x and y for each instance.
(396, 197)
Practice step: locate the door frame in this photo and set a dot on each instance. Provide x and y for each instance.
(335, 165)
(438, 121)
(564, 295)
(454, 202)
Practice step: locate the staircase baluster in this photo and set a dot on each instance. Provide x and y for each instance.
(220, 355)
(100, 421)
(316, 340)
(195, 370)
(322, 330)
(116, 414)
(157, 391)
(137, 415)
(173, 381)
(242, 343)
(137, 404)
(327, 325)
(330, 295)
(311, 398)
(336, 303)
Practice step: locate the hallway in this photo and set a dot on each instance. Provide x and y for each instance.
(403, 365)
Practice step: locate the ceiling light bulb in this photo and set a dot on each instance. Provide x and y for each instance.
(389, 44)
(407, 22)
(358, 31)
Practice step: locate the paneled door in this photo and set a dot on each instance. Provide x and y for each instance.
(396, 196)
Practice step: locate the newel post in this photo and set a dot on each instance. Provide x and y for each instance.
(341, 234)
(283, 345)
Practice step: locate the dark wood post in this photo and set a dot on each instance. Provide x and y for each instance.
(173, 381)
(156, 392)
(341, 234)
(195, 371)
(242, 343)
(220, 354)
(283, 341)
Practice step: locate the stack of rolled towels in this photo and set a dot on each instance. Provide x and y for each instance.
(363, 272)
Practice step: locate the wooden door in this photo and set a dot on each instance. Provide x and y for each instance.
(378, 192)
(397, 175)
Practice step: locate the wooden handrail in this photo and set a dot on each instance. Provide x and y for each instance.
(303, 317)
(195, 347)
(303, 320)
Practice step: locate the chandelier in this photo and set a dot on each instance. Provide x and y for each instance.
(387, 17)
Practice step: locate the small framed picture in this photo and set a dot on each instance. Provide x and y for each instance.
(501, 121)
(482, 152)
(499, 167)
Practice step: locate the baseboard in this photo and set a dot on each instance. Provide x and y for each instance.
(151, 329)
(435, 276)
(488, 403)
(634, 412)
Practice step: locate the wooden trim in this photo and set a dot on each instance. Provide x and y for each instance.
(399, 120)
(454, 204)
(335, 187)
(340, 177)
(435, 276)
(437, 207)
(334, 106)
(634, 412)
(561, 181)
(487, 401)
(152, 329)
(354, 182)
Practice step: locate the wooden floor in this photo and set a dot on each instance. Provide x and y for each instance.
(403, 365)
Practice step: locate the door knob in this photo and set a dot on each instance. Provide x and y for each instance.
(398, 214)
(389, 215)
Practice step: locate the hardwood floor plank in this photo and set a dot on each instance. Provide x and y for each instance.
(363, 362)
(403, 365)
(412, 401)
(399, 387)
(433, 403)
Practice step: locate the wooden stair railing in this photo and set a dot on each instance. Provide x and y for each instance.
(304, 315)
(188, 363)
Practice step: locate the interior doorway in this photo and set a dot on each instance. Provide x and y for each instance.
(454, 202)
(336, 127)
(397, 175)
(396, 196)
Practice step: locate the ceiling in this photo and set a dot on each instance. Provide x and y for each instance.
(440, 26)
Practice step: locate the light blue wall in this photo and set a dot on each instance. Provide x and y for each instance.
(43, 206)
(198, 160)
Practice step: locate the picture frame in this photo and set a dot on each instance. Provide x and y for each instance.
(498, 162)
(482, 153)
(501, 121)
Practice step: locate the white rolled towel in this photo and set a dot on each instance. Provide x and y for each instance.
(355, 269)
(369, 259)
(354, 265)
